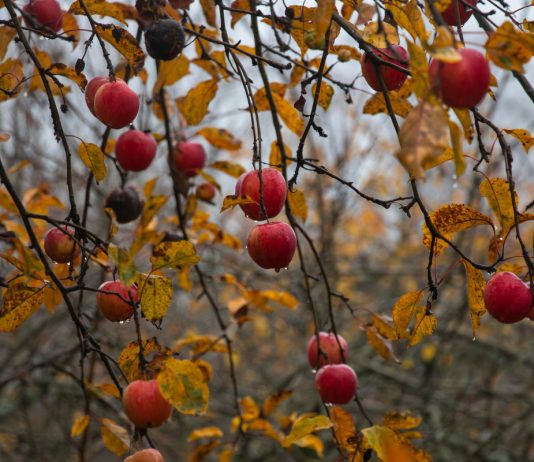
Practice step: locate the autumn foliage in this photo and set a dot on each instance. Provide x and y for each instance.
(244, 231)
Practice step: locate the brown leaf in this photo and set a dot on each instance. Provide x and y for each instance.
(125, 43)
(237, 15)
(510, 48)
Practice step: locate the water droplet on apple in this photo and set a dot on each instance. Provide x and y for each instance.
(314, 371)
(328, 404)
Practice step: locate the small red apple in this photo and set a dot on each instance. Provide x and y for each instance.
(146, 455)
(274, 190)
(60, 246)
(464, 12)
(44, 13)
(144, 405)
(393, 78)
(329, 347)
(206, 192)
(507, 298)
(336, 383)
(462, 84)
(272, 245)
(116, 104)
(116, 306)
(189, 157)
(135, 150)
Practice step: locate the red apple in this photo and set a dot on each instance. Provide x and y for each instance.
(45, 13)
(329, 347)
(464, 12)
(393, 78)
(189, 157)
(135, 150)
(144, 405)
(206, 192)
(507, 298)
(116, 306)
(116, 104)
(146, 455)
(272, 245)
(60, 246)
(274, 190)
(336, 383)
(462, 84)
(90, 90)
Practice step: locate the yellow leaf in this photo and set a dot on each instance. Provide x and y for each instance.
(80, 424)
(450, 219)
(305, 425)
(510, 48)
(208, 7)
(464, 116)
(201, 452)
(194, 106)
(52, 297)
(220, 138)
(205, 432)
(392, 447)
(423, 138)
(275, 157)
(94, 159)
(109, 389)
(380, 34)
(155, 295)
(420, 82)
(6, 35)
(325, 95)
(401, 420)
(260, 97)
(11, 75)
(443, 46)
(273, 401)
(200, 344)
(125, 263)
(475, 294)
(311, 442)
(20, 302)
(170, 72)
(456, 141)
(151, 208)
(129, 358)
(237, 15)
(250, 410)
(125, 43)
(3, 138)
(118, 11)
(497, 193)
(424, 325)
(323, 15)
(344, 428)
(296, 75)
(71, 28)
(182, 383)
(297, 204)
(230, 168)
(408, 16)
(401, 106)
(380, 344)
(283, 298)
(384, 326)
(226, 454)
(173, 255)
(523, 136)
(404, 311)
(232, 200)
(115, 437)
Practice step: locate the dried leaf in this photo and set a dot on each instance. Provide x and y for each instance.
(408, 16)
(523, 136)
(118, 11)
(450, 219)
(344, 428)
(233, 200)
(170, 72)
(205, 432)
(380, 344)
(273, 401)
(423, 138)
(250, 410)
(125, 43)
(11, 75)
(283, 298)
(497, 193)
(424, 325)
(237, 15)
(475, 294)
(404, 311)
(401, 106)
(323, 15)
(183, 384)
(174, 255)
(275, 156)
(380, 34)
(510, 48)
(230, 168)
(325, 95)
(401, 420)
(392, 447)
(7, 34)
(220, 138)
(20, 302)
(71, 28)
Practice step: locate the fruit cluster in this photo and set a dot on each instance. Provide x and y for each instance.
(270, 245)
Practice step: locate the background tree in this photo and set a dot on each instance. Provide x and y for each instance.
(124, 274)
